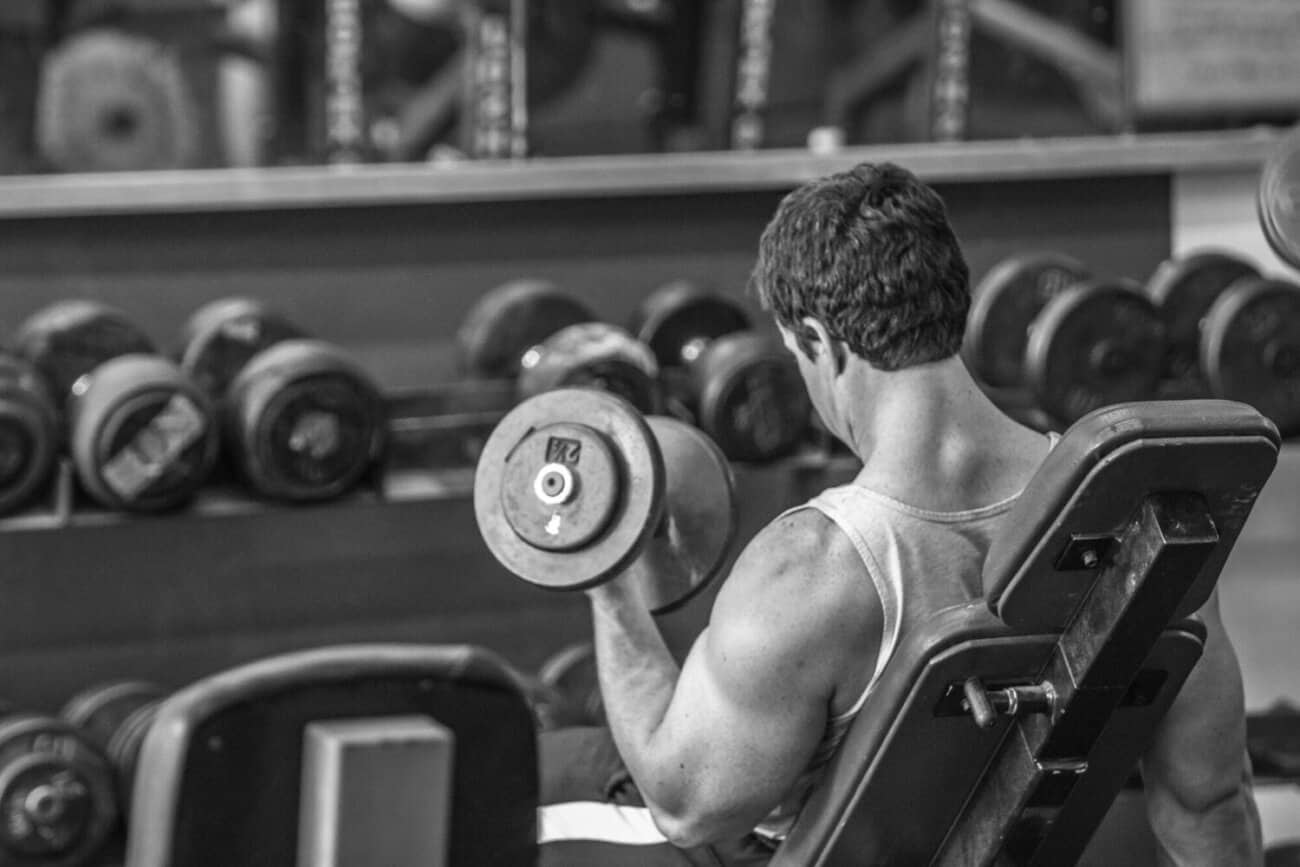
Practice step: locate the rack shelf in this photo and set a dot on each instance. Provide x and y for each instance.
(616, 176)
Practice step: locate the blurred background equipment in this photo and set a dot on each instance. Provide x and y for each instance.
(29, 432)
(58, 797)
(1184, 288)
(97, 85)
(1052, 343)
(141, 436)
(740, 387)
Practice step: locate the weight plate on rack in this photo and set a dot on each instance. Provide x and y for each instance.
(224, 335)
(1251, 349)
(144, 438)
(1094, 345)
(28, 432)
(752, 400)
(58, 803)
(304, 421)
(1005, 304)
(509, 321)
(1183, 289)
(1278, 199)
(68, 339)
(594, 355)
(679, 319)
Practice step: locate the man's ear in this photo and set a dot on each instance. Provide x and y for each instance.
(822, 342)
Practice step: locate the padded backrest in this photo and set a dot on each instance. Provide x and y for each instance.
(1096, 477)
(221, 766)
(912, 757)
(916, 781)
(903, 772)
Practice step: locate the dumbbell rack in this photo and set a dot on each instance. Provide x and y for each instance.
(98, 594)
(386, 259)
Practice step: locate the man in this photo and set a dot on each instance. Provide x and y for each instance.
(870, 291)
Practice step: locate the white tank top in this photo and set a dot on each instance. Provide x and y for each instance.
(897, 543)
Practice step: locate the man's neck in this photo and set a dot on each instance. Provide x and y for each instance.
(921, 426)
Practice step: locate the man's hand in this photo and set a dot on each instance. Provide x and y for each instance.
(661, 562)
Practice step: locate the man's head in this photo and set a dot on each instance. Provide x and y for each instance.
(869, 255)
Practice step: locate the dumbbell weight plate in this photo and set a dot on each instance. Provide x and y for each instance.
(594, 355)
(305, 422)
(1183, 289)
(144, 438)
(69, 339)
(223, 336)
(58, 804)
(28, 432)
(677, 319)
(525, 449)
(752, 400)
(510, 320)
(98, 712)
(1094, 345)
(1251, 349)
(113, 101)
(700, 501)
(1278, 199)
(1005, 304)
(115, 717)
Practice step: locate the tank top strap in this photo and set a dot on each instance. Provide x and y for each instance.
(844, 506)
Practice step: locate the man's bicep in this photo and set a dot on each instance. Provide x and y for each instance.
(759, 720)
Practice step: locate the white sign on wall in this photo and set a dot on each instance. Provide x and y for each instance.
(1212, 56)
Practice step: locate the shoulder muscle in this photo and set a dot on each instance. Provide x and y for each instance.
(798, 601)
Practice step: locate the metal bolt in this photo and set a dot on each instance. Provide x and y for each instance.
(44, 804)
(554, 484)
(316, 434)
(1089, 558)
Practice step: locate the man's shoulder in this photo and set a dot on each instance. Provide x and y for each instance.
(800, 567)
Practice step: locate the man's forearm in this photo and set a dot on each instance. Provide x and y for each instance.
(637, 679)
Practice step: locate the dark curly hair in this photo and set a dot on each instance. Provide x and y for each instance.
(869, 254)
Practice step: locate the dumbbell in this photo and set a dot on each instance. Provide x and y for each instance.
(58, 802)
(115, 717)
(574, 483)
(740, 387)
(142, 437)
(301, 420)
(1184, 288)
(1250, 348)
(530, 332)
(1045, 336)
(29, 432)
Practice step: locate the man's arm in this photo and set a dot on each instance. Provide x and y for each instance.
(715, 745)
(1196, 774)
